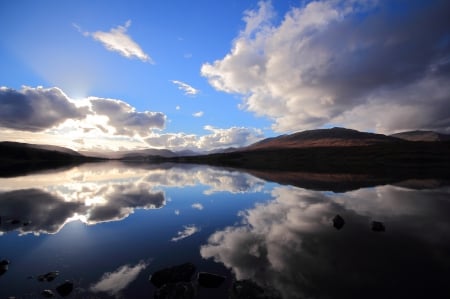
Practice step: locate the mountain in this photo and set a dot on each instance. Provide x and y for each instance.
(335, 137)
(22, 158)
(336, 150)
(25, 151)
(422, 136)
(132, 154)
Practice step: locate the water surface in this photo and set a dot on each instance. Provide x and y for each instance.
(108, 226)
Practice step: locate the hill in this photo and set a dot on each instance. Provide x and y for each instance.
(21, 158)
(335, 150)
(335, 137)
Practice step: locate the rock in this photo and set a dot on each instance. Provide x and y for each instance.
(179, 290)
(4, 263)
(180, 273)
(4, 266)
(65, 289)
(209, 280)
(246, 289)
(50, 276)
(378, 226)
(338, 222)
(47, 293)
(15, 221)
(26, 223)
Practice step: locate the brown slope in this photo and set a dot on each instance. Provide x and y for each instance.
(335, 137)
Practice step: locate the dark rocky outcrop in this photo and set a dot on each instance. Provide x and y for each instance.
(50, 276)
(47, 293)
(246, 289)
(338, 222)
(179, 290)
(378, 226)
(65, 288)
(179, 273)
(209, 280)
(4, 266)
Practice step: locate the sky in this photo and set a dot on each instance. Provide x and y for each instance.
(200, 75)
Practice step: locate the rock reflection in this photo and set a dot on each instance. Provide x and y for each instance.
(291, 245)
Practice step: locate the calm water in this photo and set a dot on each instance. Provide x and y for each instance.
(108, 226)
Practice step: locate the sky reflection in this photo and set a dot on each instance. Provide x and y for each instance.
(289, 243)
(278, 236)
(103, 192)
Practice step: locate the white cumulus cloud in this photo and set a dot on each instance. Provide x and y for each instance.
(357, 64)
(217, 138)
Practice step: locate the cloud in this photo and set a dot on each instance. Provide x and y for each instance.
(125, 119)
(117, 40)
(217, 138)
(290, 244)
(114, 282)
(357, 64)
(198, 114)
(36, 109)
(186, 88)
(51, 111)
(197, 206)
(188, 231)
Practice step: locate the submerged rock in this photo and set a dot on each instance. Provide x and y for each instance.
(179, 290)
(180, 273)
(47, 293)
(4, 262)
(338, 222)
(4, 266)
(209, 280)
(50, 276)
(378, 226)
(246, 289)
(65, 289)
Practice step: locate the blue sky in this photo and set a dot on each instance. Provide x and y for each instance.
(111, 75)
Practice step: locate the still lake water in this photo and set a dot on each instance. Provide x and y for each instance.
(108, 226)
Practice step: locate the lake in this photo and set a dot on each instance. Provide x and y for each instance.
(108, 226)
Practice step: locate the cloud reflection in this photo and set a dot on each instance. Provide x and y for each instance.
(188, 231)
(102, 192)
(290, 244)
(218, 180)
(114, 282)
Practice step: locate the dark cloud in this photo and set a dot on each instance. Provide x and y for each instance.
(328, 62)
(125, 119)
(36, 109)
